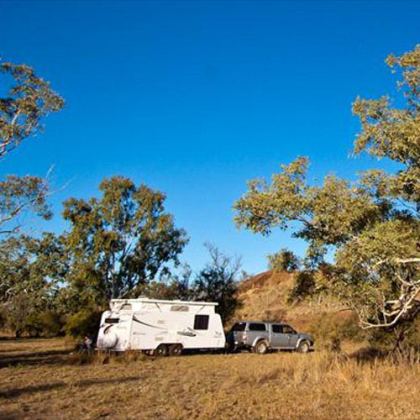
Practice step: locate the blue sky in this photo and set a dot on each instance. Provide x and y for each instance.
(195, 98)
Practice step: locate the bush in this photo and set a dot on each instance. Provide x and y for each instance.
(84, 322)
(304, 286)
(52, 324)
(22, 319)
(405, 336)
(330, 330)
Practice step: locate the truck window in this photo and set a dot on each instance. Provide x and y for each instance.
(201, 322)
(239, 326)
(256, 327)
(287, 329)
(277, 329)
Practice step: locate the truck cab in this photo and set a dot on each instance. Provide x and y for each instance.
(260, 337)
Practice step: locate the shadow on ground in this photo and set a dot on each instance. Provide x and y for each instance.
(31, 389)
(47, 357)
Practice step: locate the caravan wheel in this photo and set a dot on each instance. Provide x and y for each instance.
(175, 350)
(162, 350)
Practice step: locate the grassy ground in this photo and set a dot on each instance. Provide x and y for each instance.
(39, 379)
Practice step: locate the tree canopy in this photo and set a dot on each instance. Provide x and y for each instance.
(28, 100)
(372, 225)
(120, 241)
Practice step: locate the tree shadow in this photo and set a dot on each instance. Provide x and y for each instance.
(31, 389)
(369, 354)
(46, 357)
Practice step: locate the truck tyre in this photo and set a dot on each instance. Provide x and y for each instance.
(175, 350)
(261, 347)
(161, 350)
(303, 347)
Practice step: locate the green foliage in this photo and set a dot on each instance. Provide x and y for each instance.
(304, 286)
(119, 242)
(166, 291)
(412, 335)
(43, 324)
(29, 99)
(19, 195)
(31, 268)
(51, 322)
(284, 260)
(216, 282)
(402, 337)
(372, 225)
(22, 316)
(330, 330)
(84, 322)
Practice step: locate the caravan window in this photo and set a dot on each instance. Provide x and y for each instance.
(126, 307)
(201, 322)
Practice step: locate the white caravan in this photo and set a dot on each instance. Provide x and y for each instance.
(162, 327)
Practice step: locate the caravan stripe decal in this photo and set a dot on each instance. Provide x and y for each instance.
(147, 325)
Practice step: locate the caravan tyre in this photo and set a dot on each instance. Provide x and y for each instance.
(175, 350)
(162, 350)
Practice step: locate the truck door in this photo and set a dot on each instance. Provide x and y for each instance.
(278, 338)
(292, 336)
(256, 330)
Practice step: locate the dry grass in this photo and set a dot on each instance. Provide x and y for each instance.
(45, 382)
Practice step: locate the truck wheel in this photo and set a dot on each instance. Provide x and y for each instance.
(162, 350)
(175, 350)
(261, 347)
(303, 347)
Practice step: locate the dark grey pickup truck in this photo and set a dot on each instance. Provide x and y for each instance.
(261, 337)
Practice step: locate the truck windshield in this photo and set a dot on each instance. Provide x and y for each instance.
(239, 326)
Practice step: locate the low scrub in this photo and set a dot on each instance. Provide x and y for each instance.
(331, 329)
(84, 322)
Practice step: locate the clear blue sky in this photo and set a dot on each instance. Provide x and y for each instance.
(194, 98)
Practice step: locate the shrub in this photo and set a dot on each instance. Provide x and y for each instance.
(30, 322)
(403, 337)
(284, 260)
(330, 330)
(51, 323)
(84, 322)
(304, 286)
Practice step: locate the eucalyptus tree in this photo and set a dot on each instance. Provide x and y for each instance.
(28, 99)
(372, 225)
(119, 242)
(31, 270)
